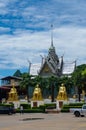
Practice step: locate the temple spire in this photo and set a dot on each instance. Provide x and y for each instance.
(51, 35)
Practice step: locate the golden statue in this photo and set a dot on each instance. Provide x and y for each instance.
(13, 96)
(37, 93)
(83, 94)
(62, 95)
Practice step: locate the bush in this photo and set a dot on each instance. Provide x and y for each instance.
(42, 107)
(66, 107)
(4, 104)
(25, 105)
(76, 104)
(30, 110)
(64, 110)
(51, 105)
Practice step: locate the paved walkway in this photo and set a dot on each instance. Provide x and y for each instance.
(59, 121)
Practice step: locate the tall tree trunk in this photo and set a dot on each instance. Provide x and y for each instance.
(79, 94)
(52, 93)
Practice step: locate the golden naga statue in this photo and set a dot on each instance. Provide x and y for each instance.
(37, 93)
(62, 95)
(13, 96)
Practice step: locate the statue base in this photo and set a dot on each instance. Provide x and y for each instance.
(16, 103)
(36, 103)
(60, 103)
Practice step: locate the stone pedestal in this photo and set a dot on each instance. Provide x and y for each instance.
(60, 103)
(16, 103)
(36, 103)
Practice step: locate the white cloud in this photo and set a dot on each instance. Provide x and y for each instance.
(17, 49)
(4, 30)
(3, 6)
(25, 31)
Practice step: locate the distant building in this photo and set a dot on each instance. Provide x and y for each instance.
(9, 80)
(6, 85)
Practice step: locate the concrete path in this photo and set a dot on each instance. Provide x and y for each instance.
(59, 121)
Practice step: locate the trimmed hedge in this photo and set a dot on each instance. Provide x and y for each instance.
(66, 107)
(4, 104)
(36, 110)
(51, 105)
(25, 105)
(76, 104)
(64, 110)
(40, 109)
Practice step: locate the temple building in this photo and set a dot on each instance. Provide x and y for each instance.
(52, 65)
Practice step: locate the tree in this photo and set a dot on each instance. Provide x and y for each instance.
(84, 79)
(26, 82)
(52, 84)
(17, 73)
(78, 78)
(43, 82)
(68, 82)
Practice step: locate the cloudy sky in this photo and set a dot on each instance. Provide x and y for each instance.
(25, 32)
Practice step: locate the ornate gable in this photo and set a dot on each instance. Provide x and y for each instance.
(51, 66)
(46, 69)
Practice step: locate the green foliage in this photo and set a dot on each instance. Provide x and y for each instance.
(25, 83)
(52, 105)
(78, 74)
(8, 105)
(76, 104)
(66, 107)
(79, 78)
(30, 111)
(27, 108)
(26, 80)
(17, 73)
(64, 110)
(25, 105)
(42, 107)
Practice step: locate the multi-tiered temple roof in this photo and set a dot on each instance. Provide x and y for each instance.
(52, 65)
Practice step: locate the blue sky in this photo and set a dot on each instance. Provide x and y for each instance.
(25, 32)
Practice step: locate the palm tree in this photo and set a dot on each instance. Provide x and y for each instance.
(68, 82)
(43, 83)
(84, 79)
(76, 77)
(26, 82)
(52, 84)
